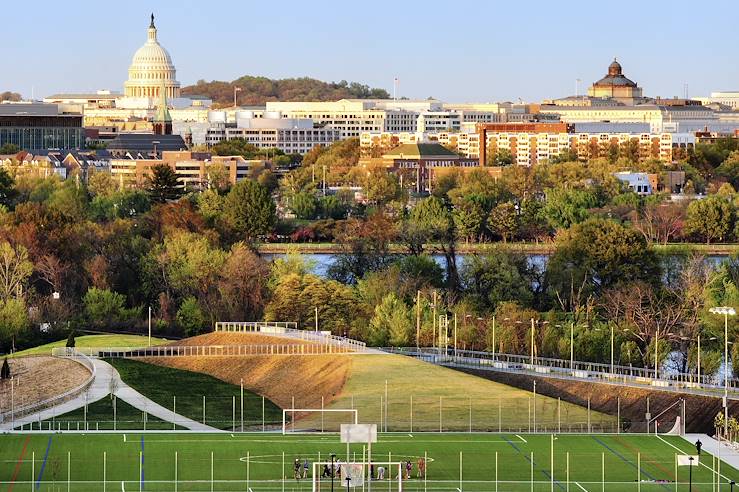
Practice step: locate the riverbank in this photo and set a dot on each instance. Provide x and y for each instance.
(543, 248)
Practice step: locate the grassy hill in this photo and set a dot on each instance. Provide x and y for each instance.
(94, 341)
(437, 396)
(258, 90)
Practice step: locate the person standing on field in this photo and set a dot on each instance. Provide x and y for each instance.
(305, 468)
(421, 468)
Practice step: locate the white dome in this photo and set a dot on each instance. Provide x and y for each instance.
(151, 68)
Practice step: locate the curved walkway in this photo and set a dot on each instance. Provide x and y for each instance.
(106, 381)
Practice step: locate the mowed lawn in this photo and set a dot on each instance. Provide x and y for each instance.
(94, 341)
(442, 398)
(259, 462)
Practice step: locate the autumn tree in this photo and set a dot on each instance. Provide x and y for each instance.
(710, 219)
(15, 268)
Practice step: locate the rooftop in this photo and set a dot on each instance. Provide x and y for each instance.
(420, 151)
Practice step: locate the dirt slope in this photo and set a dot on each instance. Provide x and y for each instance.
(237, 339)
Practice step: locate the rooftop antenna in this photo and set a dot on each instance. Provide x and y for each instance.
(686, 90)
(577, 87)
(395, 88)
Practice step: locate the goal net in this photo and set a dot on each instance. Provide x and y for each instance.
(382, 475)
(297, 420)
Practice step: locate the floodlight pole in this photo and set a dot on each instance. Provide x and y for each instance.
(726, 311)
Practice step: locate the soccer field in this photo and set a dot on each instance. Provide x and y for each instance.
(256, 462)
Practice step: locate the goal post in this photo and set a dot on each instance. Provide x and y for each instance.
(386, 475)
(297, 420)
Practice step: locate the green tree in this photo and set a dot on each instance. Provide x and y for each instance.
(469, 218)
(250, 210)
(70, 340)
(565, 207)
(103, 307)
(504, 220)
(304, 205)
(163, 184)
(7, 188)
(13, 319)
(711, 219)
(729, 169)
(190, 317)
(594, 256)
(495, 277)
(390, 323)
(436, 224)
(331, 207)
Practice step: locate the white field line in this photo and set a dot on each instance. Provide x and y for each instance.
(124, 438)
(583, 488)
(324, 441)
(699, 461)
(524, 440)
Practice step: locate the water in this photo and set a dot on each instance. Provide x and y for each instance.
(322, 261)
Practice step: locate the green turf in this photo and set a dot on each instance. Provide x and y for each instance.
(94, 341)
(162, 384)
(591, 458)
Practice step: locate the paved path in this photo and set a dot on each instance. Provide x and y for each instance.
(106, 381)
(728, 454)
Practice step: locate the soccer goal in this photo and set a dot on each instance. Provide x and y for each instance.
(379, 475)
(297, 420)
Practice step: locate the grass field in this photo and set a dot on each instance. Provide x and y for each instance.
(259, 462)
(94, 341)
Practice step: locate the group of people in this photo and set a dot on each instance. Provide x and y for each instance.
(300, 469)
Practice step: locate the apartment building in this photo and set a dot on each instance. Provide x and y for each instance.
(192, 168)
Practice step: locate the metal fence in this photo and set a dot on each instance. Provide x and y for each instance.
(398, 413)
(576, 370)
(289, 330)
(16, 412)
(205, 350)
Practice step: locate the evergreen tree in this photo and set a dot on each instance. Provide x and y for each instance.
(70, 340)
(250, 209)
(164, 185)
(5, 371)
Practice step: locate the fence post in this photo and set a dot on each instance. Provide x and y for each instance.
(263, 428)
(242, 404)
(470, 400)
(174, 410)
(203, 409)
(500, 414)
(175, 471)
(532, 471)
(411, 413)
(618, 415)
(588, 415)
(441, 406)
(233, 412)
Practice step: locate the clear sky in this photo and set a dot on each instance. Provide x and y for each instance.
(474, 50)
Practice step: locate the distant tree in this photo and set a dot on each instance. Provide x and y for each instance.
(469, 218)
(10, 96)
(391, 323)
(103, 307)
(565, 207)
(304, 205)
(711, 219)
(436, 222)
(13, 319)
(504, 220)
(250, 209)
(70, 340)
(190, 317)
(331, 207)
(164, 185)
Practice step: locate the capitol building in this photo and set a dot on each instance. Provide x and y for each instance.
(150, 68)
(151, 71)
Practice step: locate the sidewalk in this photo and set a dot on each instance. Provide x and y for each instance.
(108, 380)
(710, 445)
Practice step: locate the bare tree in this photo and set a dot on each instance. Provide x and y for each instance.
(659, 223)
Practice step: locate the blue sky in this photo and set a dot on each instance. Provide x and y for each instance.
(473, 50)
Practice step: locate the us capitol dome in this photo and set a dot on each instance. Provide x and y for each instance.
(151, 69)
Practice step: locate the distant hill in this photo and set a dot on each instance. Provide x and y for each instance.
(10, 96)
(258, 90)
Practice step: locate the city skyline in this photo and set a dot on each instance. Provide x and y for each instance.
(408, 43)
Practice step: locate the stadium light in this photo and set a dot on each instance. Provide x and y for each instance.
(726, 311)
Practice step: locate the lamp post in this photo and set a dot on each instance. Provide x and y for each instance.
(532, 341)
(611, 347)
(726, 311)
(149, 326)
(690, 473)
(316, 309)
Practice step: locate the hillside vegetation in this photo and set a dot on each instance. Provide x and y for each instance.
(258, 90)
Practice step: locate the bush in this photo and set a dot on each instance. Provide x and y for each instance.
(103, 307)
